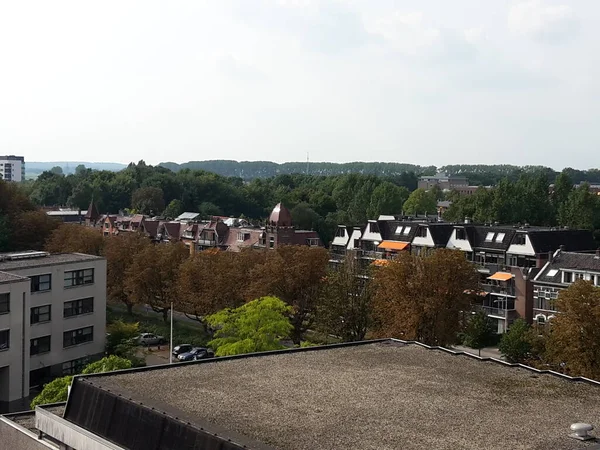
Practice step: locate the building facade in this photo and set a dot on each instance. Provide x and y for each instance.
(12, 168)
(52, 319)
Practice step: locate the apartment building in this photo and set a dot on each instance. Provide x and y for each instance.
(507, 257)
(12, 168)
(563, 269)
(52, 319)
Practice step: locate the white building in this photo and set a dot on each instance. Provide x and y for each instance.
(12, 168)
(52, 319)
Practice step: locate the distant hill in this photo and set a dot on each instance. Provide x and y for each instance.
(33, 169)
(264, 169)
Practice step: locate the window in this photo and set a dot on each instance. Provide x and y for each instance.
(406, 231)
(39, 377)
(399, 229)
(79, 277)
(4, 303)
(75, 366)
(577, 276)
(461, 234)
(520, 239)
(567, 277)
(340, 232)
(4, 339)
(79, 336)
(500, 237)
(40, 314)
(490, 237)
(106, 225)
(78, 307)
(39, 345)
(240, 237)
(552, 273)
(40, 283)
(421, 232)
(272, 242)
(373, 227)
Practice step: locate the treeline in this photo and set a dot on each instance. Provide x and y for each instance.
(530, 200)
(248, 170)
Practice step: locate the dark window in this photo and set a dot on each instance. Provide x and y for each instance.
(4, 303)
(79, 336)
(75, 366)
(4, 339)
(460, 234)
(39, 377)
(271, 242)
(373, 228)
(41, 314)
(568, 277)
(40, 283)
(520, 239)
(39, 345)
(421, 232)
(78, 307)
(79, 277)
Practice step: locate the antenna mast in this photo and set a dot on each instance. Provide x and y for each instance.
(307, 162)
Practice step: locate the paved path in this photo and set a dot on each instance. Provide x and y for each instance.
(488, 352)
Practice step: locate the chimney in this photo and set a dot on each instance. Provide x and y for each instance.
(467, 220)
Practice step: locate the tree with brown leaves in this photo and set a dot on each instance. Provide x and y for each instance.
(422, 298)
(574, 338)
(69, 238)
(296, 275)
(120, 252)
(152, 277)
(347, 306)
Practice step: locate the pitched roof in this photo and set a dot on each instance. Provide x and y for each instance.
(394, 230)
(378, 395)
(280, 216)
(583, 262)
(440, 233)
(92, 211)
(174, 229)
(550, 240)
(479, 234)
(231, 242)
(152, 227)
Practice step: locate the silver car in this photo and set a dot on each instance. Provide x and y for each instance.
(151, 339)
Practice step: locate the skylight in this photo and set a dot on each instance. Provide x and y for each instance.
(552, 273)
(500, 237)
(490, 237)
(406, 231)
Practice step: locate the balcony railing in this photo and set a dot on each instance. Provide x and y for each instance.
(371, 254)
(500, 290)
(492, 311)
(207, 242)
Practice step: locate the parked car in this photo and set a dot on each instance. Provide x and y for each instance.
(151, 339)
(182, 348)
(196, 354)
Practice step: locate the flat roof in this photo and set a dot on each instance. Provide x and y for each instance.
(380, 395)
(10, 278)
(49, 260)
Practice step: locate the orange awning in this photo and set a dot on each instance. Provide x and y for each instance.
(393, 245)
(501, 276)
(381, 262)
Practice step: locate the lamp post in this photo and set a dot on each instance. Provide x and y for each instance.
(171, 338)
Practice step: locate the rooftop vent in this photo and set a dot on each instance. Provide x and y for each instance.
(580, 431)
(26, 255)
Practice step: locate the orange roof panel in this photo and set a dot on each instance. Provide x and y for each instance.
(501, 276)
(393, 245)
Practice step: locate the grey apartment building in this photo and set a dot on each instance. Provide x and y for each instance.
(52, 319)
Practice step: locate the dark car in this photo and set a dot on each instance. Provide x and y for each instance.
(182, 348)
(196, 354)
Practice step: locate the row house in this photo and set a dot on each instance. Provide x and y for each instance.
(562, 269)
(507, 258)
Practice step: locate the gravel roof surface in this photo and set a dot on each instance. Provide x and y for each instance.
(50, 260)
(27, 419)
(377, 396)
(10, 278)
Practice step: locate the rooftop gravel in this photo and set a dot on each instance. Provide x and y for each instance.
(50, 260)
(378, 396)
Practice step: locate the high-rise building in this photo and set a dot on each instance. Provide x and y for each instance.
(12, 168)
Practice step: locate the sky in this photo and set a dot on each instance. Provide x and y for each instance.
(432, 82)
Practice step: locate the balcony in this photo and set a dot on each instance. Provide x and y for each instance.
(492, 311)
(371, 254)
(508, 291)
(206, 243)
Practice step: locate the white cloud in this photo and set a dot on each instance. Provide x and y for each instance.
(542, 21)
(475, 35)
(406, 32)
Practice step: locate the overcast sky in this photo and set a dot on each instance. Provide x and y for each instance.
(427, 82)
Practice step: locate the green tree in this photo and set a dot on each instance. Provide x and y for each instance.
(80, 169)
(420, 202)
(574, 341)
(563, 185)
(58, 389)
(304, 217)
(479, 331)
(57, 170)
(581, 209)
(515, 344)
(173, 209)
(387, 198)
(257, 326)
(148, 200)
(119, 333)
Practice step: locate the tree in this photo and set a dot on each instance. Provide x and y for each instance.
(119, 333)
(304, 217)
(423, 298)
(257, 326)
(120, 252)
(387, 198)
(107, 364)
(420, 202)
(80, 169)
(148, 200)
(581, 209)
(479, 331)
(30, 229)
(574, 340)
(563, 185)
(70, 238)
(58, 389)
(57, 170)
(515, 343)
(295, 274)
(152, 277)
(173, 209)
(346, 309)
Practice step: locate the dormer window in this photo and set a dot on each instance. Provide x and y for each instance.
(461, 234)
(373, 227)
(241, 236)
(567, 277)
(340, 232)
(421, 232)
(520, 239)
